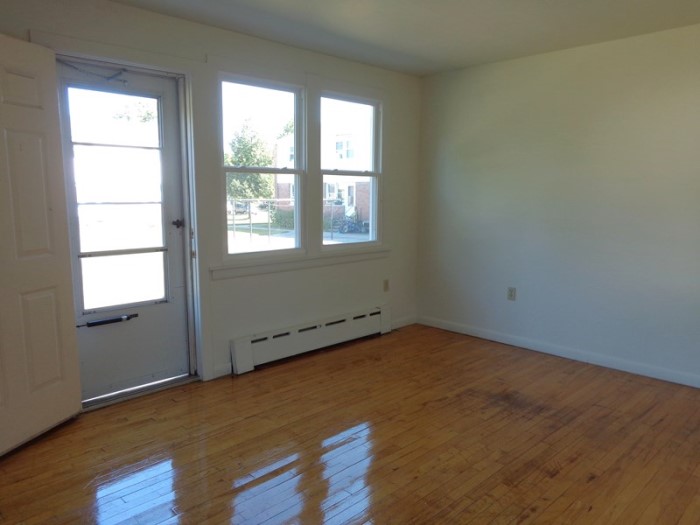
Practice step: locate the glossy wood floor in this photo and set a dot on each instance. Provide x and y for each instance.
(419, 426)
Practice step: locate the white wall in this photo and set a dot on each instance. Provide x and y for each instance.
(240, 306)
(575, 177)
(572, 176)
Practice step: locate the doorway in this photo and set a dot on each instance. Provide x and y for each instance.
(130, 233)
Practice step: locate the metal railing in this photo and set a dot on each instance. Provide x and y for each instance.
(258, 207)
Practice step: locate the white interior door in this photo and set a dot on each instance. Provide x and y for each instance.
(39, 377)
(122, 141)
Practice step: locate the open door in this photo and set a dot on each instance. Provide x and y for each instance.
(39, 370)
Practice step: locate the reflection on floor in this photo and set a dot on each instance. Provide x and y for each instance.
(418, 426)
(125, 496)
(337, 468)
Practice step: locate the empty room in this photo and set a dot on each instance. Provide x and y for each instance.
(349, 262)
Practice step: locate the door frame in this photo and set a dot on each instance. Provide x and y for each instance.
(186, 177)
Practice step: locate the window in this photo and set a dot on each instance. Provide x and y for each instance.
(117, 149)
(260, 164)
(349, 165)
(264, 165)
(351, 195)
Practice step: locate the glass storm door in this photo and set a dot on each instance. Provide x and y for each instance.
(122, 143)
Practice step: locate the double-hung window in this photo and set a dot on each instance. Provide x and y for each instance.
(262, 163)
(350, 169)
(265, 151)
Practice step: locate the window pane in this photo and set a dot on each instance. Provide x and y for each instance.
(119, 226)
(347, 209)
(347, 135)
(104, 174)
(258, 126)
(113, 118)
(122, 279)
(260, 212)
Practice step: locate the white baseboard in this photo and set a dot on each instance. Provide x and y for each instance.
(666, 374)
(403, 321)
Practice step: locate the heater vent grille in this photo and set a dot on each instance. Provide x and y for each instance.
(247, 352)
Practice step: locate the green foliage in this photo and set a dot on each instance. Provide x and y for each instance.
(250, 186)
(247, 149)
(283, 219)
(288, 129)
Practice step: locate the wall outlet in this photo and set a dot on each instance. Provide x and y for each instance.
(512, 293)
(386, 285)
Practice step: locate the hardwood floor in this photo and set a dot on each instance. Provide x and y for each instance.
(418, 426)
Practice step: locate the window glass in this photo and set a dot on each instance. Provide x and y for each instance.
(259, 132)
(258, 126)
(261, 212)
(100, 117)
(347, 209)
(122, 279)
(116, 174)
(347, 135)
(109, 227)
(118, 184)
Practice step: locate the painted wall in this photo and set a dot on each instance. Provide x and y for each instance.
(575, 177)
(572, 176)
(236, 307)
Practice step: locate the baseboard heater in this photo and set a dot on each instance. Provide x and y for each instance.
(257, 349)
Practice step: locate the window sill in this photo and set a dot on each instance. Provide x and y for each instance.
(267, 263)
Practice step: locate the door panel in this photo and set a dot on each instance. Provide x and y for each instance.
(121, 131)
(39, 375)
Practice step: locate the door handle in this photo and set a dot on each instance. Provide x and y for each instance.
(179, 223)
(109, 320)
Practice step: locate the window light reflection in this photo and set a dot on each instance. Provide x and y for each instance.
(328, 482)
(145, 492)
(346, 460)
(271, 491)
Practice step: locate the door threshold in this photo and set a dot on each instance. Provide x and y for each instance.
(136, 391)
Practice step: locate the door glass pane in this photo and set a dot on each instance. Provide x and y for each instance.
(258, 126)
(347, 209)
(100, 117)
(118, 182)
(107, 174)
(261, 214)
(122, 279)
(119, 226)
(347, 135)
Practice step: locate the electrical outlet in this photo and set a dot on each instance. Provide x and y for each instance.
(512, 293)
(386, 285)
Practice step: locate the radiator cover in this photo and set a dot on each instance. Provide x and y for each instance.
(248, 352)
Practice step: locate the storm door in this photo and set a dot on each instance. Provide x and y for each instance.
(129, 231)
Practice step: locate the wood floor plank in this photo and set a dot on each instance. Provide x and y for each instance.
(420, 426)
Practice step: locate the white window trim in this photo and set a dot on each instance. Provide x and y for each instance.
(300, 170)
(311, 252)
(289, 262)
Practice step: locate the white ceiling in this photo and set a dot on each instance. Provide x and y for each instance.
(427, 36)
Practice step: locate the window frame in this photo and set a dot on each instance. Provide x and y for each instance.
(375, 174)
(299, 171)
(308, 185)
